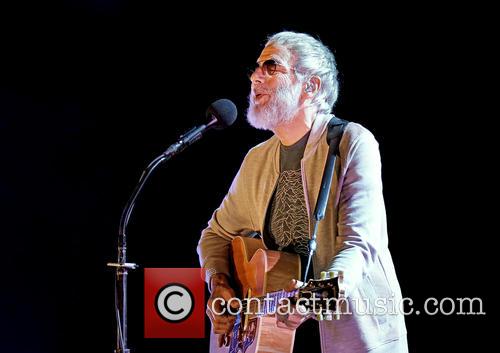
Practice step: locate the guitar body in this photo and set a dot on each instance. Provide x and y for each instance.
(259, 271)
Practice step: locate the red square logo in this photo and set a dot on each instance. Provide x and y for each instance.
(174, 303)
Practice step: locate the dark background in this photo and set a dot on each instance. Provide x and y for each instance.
(91, 91)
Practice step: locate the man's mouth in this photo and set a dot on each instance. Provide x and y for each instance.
(260, 98)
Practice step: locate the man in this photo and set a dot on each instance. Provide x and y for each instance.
(293, 91)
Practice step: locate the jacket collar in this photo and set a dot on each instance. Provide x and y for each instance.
(318, 128)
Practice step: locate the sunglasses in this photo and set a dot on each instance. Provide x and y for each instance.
(270, 67)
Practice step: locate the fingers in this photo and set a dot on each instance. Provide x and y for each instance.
(223, 291)
(281, 321)
(218, 305)
(222, 295)
(219, 313)
(293, 284)
(221, 340)
(290, 321)
(220, 323)
(224, 340)
(222, 327)
(214, 306)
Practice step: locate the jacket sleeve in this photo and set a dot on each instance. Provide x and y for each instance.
(231, 219)
(361, 218)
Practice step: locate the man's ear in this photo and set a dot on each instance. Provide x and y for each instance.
(312, 85)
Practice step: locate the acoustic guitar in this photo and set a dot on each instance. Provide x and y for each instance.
(260, 275)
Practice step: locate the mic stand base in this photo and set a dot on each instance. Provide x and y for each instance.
(121, 270)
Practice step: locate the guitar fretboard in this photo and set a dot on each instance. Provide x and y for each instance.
(266, 304)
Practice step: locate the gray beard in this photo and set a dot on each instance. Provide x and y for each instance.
(279, 110)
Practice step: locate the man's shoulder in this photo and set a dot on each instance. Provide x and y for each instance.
(356, 132)
(264, 148)
(356, 136)
(259, 159)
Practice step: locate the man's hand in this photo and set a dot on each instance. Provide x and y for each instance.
(222, 324)
(295, 318)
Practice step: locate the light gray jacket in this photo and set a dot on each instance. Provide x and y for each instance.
(351, 238)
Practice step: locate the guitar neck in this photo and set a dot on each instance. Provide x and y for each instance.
(267, 304)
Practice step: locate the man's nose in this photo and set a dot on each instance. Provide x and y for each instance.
(257, 75)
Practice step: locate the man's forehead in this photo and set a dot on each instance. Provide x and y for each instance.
(278, 53)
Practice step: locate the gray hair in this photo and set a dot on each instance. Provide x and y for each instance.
(312, 58)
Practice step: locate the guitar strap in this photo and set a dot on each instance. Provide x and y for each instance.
(336, 127)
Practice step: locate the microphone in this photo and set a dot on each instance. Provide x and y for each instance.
(222, 113)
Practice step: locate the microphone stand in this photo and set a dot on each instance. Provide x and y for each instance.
(122, 266)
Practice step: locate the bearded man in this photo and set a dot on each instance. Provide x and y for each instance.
(293, 91)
